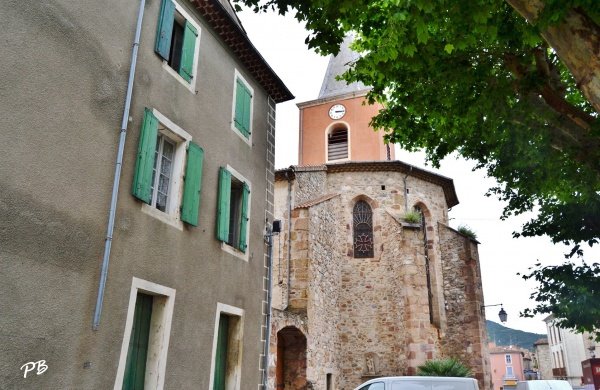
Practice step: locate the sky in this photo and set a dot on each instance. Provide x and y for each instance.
(280, 40)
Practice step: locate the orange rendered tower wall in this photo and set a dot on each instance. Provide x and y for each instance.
(365, 144)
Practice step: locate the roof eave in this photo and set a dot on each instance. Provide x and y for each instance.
(446, 183)
(235, 37)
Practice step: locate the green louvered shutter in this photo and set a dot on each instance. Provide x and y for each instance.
(247, 110)
(221, 353)
(142, 178)
(187, 51)
(243, 102)
(164, 30)
(244, 220)
(135, 366)
(223, 206)
(190, 203)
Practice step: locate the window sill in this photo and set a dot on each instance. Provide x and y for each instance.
(190, 86)
(339, 160)
(235, 252)
(242, 136)
(409, 225)
(162, 216)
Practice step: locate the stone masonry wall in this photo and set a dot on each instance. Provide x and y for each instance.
(309, 184)
(324, 271)
(544, 358)
(314, 288)
(371, 317)
(384, 300)
(464, 297)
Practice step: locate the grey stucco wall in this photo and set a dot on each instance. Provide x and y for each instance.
(65, 67)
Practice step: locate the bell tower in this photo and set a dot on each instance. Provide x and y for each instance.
(335, 127)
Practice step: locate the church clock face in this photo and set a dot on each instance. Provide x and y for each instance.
(337, 111)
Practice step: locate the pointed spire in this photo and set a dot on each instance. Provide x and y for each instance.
(338, 65)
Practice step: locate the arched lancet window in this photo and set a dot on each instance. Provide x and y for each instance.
(363, 230)
(337, 143)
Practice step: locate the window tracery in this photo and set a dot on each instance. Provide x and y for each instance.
(363, 230)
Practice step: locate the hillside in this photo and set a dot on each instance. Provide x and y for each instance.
(503, 335)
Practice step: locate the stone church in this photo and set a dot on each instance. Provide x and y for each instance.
(358, 292)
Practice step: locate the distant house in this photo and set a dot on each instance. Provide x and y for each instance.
(568, 349)
(507, 364)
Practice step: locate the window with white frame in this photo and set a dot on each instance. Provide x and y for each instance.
(242, 107)
(233, 209)
(145, 343)
(166, 157)
(227, 348)
(509, 371)
(162, 172)
(177, 40)
(508, 359)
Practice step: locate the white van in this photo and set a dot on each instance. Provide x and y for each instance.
(544, 385)
(419, 383)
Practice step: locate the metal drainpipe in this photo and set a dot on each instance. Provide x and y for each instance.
(289, 257)
(117, 178)
(406, 193)
(269, 299)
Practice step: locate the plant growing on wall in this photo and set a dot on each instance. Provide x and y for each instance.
(444, 367)
(467, 231)
(412, 217)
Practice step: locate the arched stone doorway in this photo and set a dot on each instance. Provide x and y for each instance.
(291, 359)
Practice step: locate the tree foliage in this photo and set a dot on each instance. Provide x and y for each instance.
(571, 293)
(445, 367)
(513, 85)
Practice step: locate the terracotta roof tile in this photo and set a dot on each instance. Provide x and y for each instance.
(231, 31)
(541, 341)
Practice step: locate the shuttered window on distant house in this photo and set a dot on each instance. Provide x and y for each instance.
(232, 210)
(176, 40)
(337, 144)
(158, 152)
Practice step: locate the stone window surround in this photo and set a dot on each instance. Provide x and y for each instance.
(376, 225)
(160, 332)
(191, 86)
(181, 138)
(335, 126)
(238, 75)
(235, 347)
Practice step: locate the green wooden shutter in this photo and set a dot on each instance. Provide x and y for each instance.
(187, 51)
(244, 219)
(221, 353)
(223, 206)
(190, 203)
(135, 366)
(239, 104)
(164, 31)
(243, 105)
(142, 177)
(247, 111)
